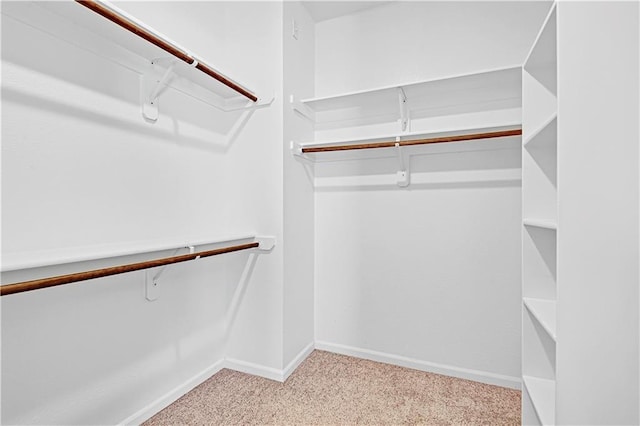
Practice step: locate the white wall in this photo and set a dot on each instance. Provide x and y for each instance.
(427, 276)
(412, 41)
(298, 189)
(82, 169)
(598, 178)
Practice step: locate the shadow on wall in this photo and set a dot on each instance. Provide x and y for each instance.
(44, 71)
(215, 144)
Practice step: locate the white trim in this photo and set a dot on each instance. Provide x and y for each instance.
(254, 369)
(233, 364)
(269, 372)
(173, 395)
(295, 362)
(448, 370)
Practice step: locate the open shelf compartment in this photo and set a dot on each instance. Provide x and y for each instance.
(541, 62)
(545, 136)
(543, 396)
(544, 311)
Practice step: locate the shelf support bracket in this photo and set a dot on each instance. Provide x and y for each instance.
(301, 108)
(267, 243)
(151, 88)
(403, 174)
(151, 277)
(404, 110)
(296, 149)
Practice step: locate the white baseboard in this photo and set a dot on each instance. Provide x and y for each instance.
(281, 375)
(431, 367)
(295, 362)
(170, 397)
(233, 364)
(269, 372)
(254, 369)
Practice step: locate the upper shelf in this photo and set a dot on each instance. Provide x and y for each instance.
(110, 32)
(428, 97)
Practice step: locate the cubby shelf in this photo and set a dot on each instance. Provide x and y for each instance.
(544, 311)
(542, 59)
(543, 395)
(545, 136)
(540, 223)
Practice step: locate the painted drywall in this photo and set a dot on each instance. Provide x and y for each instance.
(411, 41)
(81, 170)
(298, 186)
(597, 311)
(427, 276)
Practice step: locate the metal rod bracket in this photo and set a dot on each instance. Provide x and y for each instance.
(267, 243)
(403, 110)
(296, 149)
(151, 287)
(403, 174)
(152, 84)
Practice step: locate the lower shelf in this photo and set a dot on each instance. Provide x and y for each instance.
(543, 396)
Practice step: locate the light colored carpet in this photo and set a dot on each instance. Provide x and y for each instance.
(331, 389)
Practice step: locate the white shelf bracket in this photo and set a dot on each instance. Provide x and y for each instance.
(403, 174)
(296, 149)
(267, 243)
(152, 85)
(239, 104)
(152, 286)
(404, 110)
(303, 109)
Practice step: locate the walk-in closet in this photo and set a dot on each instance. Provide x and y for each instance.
(320, 212)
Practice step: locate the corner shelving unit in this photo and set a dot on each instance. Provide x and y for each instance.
(540, 227)
(410, 116)
(111, 33)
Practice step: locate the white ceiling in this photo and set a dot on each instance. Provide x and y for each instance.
(322, 10)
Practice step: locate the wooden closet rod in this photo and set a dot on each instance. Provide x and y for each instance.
(163, 44)
(391, 144)
(114, 270)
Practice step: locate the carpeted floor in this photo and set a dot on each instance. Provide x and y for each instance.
(331, 389)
